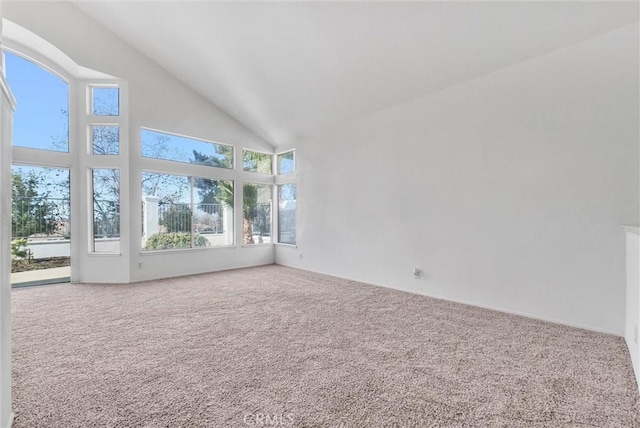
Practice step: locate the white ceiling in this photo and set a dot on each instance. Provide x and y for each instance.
(287, 69)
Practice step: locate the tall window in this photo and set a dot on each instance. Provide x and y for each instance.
(186, 212)
(103, 116)
(287, 213)
(286, 164)
(256, 205)
(106, 210)
(42, 96)
(40, 219)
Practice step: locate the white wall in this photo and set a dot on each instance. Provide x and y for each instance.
(508, 191)
(155, 100)
(6, 113)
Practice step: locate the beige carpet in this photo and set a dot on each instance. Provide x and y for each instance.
(273, 346)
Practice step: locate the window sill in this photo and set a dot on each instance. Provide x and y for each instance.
(187, 250)
(281, 244)
(93, 254)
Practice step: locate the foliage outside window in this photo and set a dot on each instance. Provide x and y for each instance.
(40, 202)
(286, 162)
(42, 96)
(261, 163)
(160, 145)
(20, 249)
(186, 212)
(287, 213)
(256, 206)
(106, 210)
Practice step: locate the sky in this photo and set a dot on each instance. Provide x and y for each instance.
(41, 96)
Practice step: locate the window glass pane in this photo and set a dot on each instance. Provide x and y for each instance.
(40, 218)
(257, 162)
(286, 162)
(106, 210)
(41, 118)
(166, 211)
(105, 101)
(40, 203)
(171, 219)
(160, 145)
(256, 214)
(105, 140)
(287, 213)
(213, 211)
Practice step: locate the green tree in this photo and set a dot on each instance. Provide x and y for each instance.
(257, 162)
(31, 212)
(249, 205)
(207, 187)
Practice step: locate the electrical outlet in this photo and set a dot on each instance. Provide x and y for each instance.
(416, 273)
(140, 265)
(300, 256)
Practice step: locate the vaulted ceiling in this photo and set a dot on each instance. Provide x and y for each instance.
(287, 69)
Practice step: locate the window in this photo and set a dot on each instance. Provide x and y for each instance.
(256, 213)
(40, 206)
(160, 145)
(40, 94)
(186, 212)
(105, 139)
(286, 162)
(257, 162)
(105, 101)
(106, 210)
(287, 213)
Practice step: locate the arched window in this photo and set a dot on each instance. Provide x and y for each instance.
(41, 118)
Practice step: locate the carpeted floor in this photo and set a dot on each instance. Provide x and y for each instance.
(273, 346)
